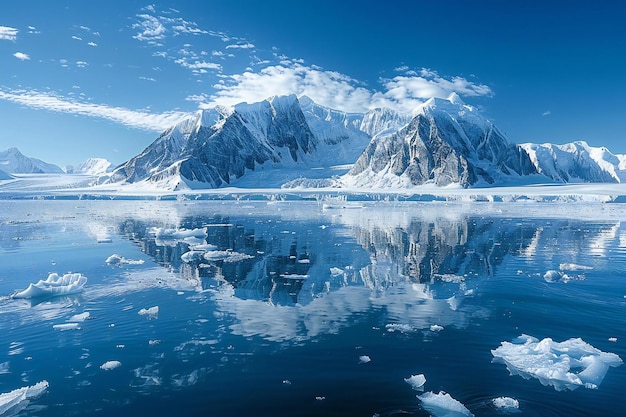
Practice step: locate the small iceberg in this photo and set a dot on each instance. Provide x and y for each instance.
(109, 365)
(118, 260)
(443, 405)
(565, 365)
(15, 401)
(150, 313)
(416, 381)
(54, 285)
(506, 404)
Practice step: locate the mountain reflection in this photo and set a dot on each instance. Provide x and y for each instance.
(286, 278)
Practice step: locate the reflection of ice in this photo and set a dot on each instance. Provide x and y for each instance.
(552, 363)
(11, 403)
(442, 404)
(54, 286)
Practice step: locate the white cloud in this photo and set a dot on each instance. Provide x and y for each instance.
(147, 79)
(546, 113)
(241, 46)
(339, 91)
(131, 118)
(8, 33)
(92, 44)
(22, 56)
(198, 65)
(81, 64)
(77, 38)
(151, 29)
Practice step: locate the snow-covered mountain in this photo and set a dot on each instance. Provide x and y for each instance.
(92, 166)
(291, 142)
(577, 162)
(271, 142)
(12, 161)
(447, 142)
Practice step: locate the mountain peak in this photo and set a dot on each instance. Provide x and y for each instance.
(455, 99)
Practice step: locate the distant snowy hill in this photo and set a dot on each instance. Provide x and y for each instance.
(447, 142)
(13, 162)
(577, 162)
(92, 166)
(271, 142)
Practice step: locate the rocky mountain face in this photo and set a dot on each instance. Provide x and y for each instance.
(447, 142)
(12, 161)
(292, 142)
(276, 139)
(577, 162)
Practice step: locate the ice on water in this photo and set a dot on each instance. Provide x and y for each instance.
(416, 381)
(109, 365)
(54, 285)
(565, 365)
(506, 403)
(150, 313)
(119, 260)
(442, 404)
(15, 401)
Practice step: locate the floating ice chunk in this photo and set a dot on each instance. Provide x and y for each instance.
(436, 328)
(416, 381)
(54, 285)
(443, 405)
(506, 403)
(574, 267)
(204, 247)
(399, 327)
(119, 260)
(153, 342)
(364, 359)
(15, 401)
(66, 326)
(556, 276)
(150, 313)
(612, 339)
(554, 363)
(109, 365)
(79, 317)
(4, 367)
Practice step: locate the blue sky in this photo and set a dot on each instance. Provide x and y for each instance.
(86, 79)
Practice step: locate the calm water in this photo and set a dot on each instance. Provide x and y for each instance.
(313, 310)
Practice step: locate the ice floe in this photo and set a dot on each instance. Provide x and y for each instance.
(15, 401)
(54, 285)
(574, 267)
(109, 365)
(364, 359)
(506, 403)
(558, 276)
(164, 233)
(226, 256)
(66, 326)
(436, 328)
(443, 405)
(565, 365)
(119, 260)
(150, 313)
(79, 317)
(416, 381)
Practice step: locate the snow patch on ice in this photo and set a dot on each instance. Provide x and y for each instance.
(555, 363)
(119, 260)
(443, 405)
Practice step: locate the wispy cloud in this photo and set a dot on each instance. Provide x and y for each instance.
(240, 46)
(136, 119)
(77, 38)
(8, 33)
(337, 90)
(21, 56)
(92, 44)
(546, 113)
(150, 28)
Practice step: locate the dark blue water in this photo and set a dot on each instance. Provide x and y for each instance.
(275, 321)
